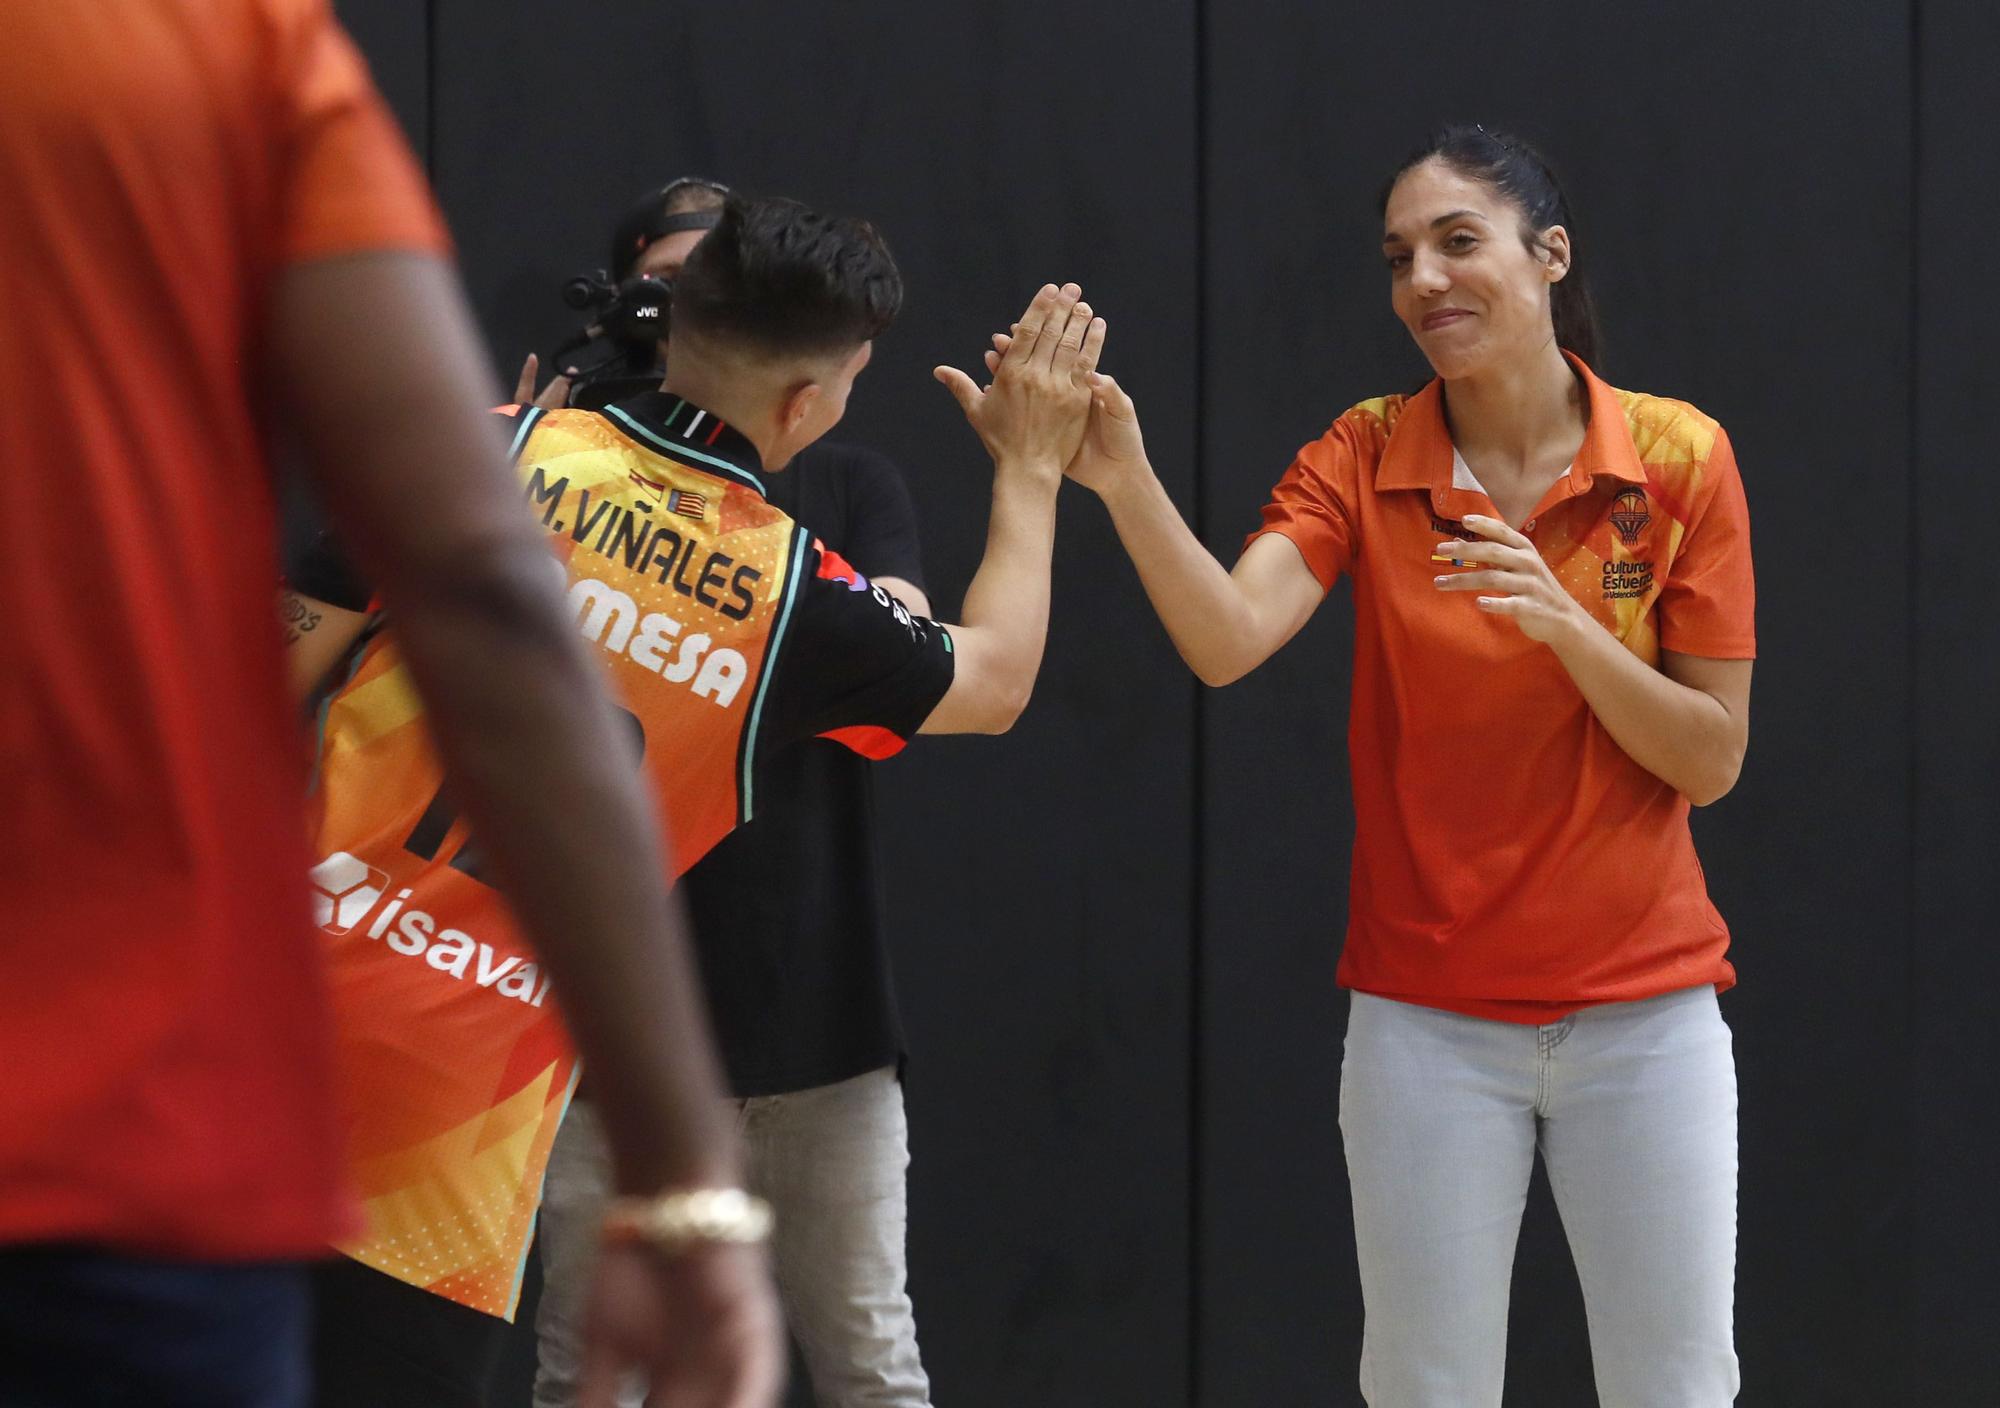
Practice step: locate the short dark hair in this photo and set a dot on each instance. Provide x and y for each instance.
(643, 220)
(1530, 184)
(780, 277)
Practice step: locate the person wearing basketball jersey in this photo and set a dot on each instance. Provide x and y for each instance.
(1553, 600)
(789, 927)
(729, 633)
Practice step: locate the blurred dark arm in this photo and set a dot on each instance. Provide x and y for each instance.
(388, 389)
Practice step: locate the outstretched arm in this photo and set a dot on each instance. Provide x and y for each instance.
(1031, 420)
(1224, 623)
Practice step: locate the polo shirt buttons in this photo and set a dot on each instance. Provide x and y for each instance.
(1529, 525)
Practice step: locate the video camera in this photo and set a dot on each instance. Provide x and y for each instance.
(631, 319)
(629, 314)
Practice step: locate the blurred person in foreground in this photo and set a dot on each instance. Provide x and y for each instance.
(194, 191)
(732, 635)
(788, 928)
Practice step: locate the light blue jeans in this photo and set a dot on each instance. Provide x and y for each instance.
(833, 1162)
(1633, 1107)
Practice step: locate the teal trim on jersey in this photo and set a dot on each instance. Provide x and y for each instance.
(521, 1271)
(356, 652)
(534, 414)
(801, 540)
(683, 452)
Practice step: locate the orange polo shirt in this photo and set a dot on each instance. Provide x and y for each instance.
(1510, 860)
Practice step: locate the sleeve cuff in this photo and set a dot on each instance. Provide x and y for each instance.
(1712, 648)
(1324, 578)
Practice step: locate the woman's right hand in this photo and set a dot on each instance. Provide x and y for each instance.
(1113, 450)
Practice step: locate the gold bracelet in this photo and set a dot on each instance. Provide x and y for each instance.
(673, 1222)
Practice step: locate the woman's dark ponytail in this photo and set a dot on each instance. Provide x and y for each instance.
(1523, 175)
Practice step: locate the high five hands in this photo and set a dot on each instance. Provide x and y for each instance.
(1034, 413)
(1112, 449)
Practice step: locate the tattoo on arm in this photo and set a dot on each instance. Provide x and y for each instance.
(298, 619)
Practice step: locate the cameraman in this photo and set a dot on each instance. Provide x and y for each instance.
(787, 916)
(651, 243)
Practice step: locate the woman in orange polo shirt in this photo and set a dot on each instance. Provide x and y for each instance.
(1553, 646)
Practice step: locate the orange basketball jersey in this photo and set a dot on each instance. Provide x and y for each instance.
(727, 631)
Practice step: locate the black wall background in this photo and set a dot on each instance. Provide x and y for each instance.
(1116, 927)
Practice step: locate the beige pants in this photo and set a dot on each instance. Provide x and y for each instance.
(832, 1162)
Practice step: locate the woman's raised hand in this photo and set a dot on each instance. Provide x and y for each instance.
(1112, 448)
(1034, 412)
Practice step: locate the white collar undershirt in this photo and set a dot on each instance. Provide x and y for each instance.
(1462, 476)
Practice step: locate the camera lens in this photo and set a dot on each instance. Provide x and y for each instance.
(584, 291)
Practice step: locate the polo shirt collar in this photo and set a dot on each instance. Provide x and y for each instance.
(682, 431)
(1419, 452)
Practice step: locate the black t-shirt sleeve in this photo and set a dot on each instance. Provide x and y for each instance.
(853, 664)
(881, 524)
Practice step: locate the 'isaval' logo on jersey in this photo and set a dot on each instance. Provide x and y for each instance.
(344, 889)
(347, 891)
